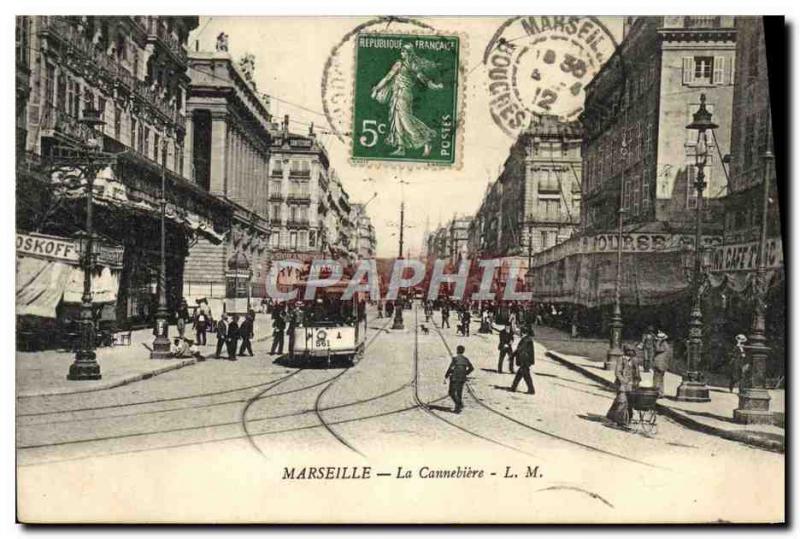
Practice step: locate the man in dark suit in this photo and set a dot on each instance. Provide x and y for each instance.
(506, 339)
(233, 337)
(460, 367)
(524, 354)
(278, 327)
(222, 333)
(246, 333)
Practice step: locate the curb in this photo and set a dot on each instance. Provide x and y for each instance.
(748, 438)
(112, 384)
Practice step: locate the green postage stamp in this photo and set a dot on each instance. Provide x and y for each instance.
(406, 98)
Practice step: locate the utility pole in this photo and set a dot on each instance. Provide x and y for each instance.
(402, 224)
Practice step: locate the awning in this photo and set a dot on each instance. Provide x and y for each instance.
(583, 270)
(40, 286)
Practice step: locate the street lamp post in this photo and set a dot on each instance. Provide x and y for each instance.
(85, 366)
(754, 397)
(692, 387)
(161, 341)
(615, 339)
(398, 307)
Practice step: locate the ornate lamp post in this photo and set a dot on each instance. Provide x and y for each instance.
(754, 397)
(615, 339)
(85, 366)
(161, 341)
(398, 305)
(692, 387)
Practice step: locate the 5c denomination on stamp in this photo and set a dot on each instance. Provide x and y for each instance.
(541, 65)
(406, 98)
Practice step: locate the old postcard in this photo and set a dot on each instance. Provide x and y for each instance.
(400, 269)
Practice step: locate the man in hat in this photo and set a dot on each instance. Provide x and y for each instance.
(233, 337)
(278, 327)
(648, 347)
(739, 365)
(460, 367)
(222, 333)
(246, 333)
(524, 355)
(662, 356)
(505, 348)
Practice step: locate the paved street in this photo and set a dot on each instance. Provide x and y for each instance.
(258, 415)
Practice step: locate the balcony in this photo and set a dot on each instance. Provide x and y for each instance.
(158, 33)
(58, 123)
(276, 195)
(108, 67)
(299, 196)
(297, 222)
(301, 174)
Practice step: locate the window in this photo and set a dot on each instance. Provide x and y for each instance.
(293, 240)
(145, 141)
(549, 181)
(702, 68)
(117, 122)
(275, 237)
(61, 93)
(275, 212)
(312, 238)
(302, 239)
(549, 207)
(133, 133)
(156, 146)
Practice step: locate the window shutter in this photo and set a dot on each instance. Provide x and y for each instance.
(719, 70)
(688, 70)
(731, 68)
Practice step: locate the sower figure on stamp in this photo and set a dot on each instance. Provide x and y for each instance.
(504, 346)
(524, 355)
(460, 367)
(406, 131)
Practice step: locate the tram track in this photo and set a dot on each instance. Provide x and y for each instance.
(426, 406)
(317, 403)
(537, 430)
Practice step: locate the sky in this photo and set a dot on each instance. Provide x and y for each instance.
(291, 53)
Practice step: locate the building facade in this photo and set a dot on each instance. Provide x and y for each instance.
(228, 142)
(133, 70)
(365, 236)
(636, 111)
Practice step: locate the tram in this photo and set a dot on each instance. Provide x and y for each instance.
(331, 329)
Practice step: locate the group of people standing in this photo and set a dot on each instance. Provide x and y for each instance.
(234, 332)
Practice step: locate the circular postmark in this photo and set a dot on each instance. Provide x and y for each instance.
(541, 66)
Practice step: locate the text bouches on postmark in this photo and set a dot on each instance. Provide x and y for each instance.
(406, 98)
(541, 66)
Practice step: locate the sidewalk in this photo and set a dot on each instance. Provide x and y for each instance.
(44, 373)
(716, 417)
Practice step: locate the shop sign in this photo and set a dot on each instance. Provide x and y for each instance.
(744, 256)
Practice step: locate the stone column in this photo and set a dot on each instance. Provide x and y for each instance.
(219, 153)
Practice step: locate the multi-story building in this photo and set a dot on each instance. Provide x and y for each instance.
(736, 261)
(340, 229)
(485, 232)
(228, 136)
(365, 237)
(458, 237)
(540, 191)
(298, 194)
(635, 117)
(438, 245)
(133, 70)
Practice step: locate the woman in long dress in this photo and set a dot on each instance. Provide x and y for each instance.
(406, 131)
(628, 378)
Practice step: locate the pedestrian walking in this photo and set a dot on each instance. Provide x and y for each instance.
(180, 324)
(648, 347)
(460, 367)
(739, 366)
(292, 317)
(278, 327)
(445, 316)
(222, 334)
(246, 333)
(627, 380)
(524, 356)
(233, 337)
(505, 349)
(661, 360)
(465, 321)
(200, 326)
